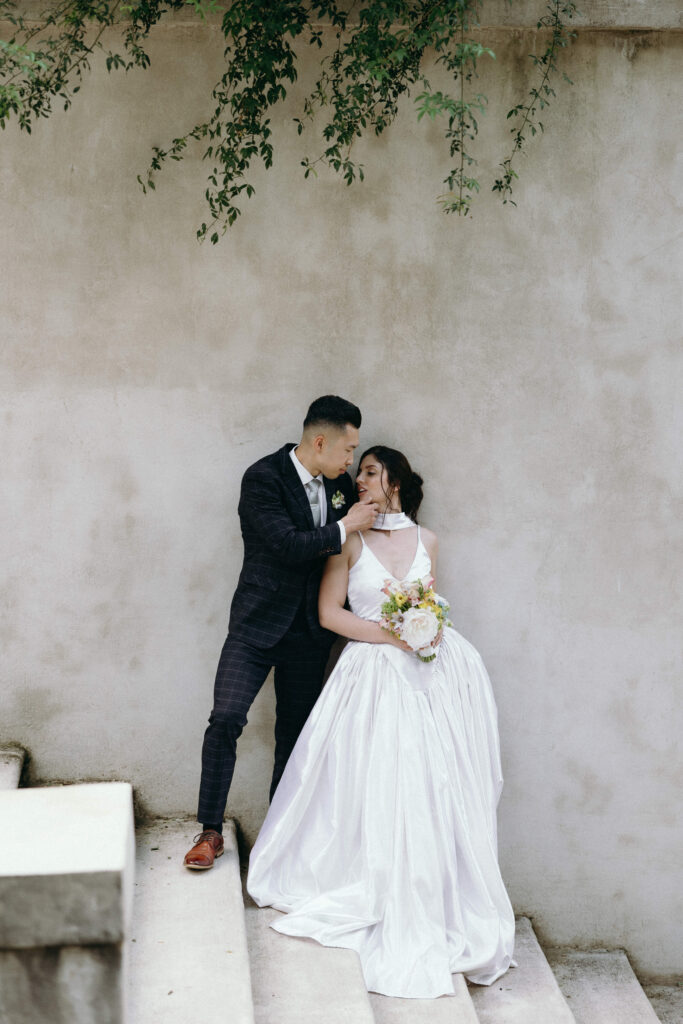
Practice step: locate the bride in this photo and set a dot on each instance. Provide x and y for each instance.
(381, 836)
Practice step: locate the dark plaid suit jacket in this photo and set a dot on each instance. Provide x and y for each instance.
(284, 553)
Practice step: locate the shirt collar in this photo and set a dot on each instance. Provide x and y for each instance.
(304, 475)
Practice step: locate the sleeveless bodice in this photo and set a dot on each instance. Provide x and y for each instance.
(368, 576)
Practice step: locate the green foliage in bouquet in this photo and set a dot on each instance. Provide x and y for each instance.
(405, 601)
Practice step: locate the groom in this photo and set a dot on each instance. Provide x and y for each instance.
(296, 508)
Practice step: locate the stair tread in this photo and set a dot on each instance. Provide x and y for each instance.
(188, 940)
(298, 981)
(667, 1002)
(528, 993)
(601, 987)
(455, 1009)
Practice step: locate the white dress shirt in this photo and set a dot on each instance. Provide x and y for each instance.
(306, 478)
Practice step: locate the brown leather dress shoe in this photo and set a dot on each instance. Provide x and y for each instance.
(208, 846)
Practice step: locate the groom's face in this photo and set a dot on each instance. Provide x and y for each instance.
(337, 452)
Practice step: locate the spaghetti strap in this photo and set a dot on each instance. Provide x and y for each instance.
(362, 540)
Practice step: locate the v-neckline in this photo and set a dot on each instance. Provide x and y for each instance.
(403, 578)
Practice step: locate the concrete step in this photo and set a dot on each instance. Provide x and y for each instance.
(457, 1009)
(528, 993)
(11, 763)
(601, 987)
(667, 1002)
(298, 981)
(66, 903)
(188, 943)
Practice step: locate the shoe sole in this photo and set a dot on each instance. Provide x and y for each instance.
(203, 867)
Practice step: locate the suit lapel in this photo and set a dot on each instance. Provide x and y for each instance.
(329, 491)
(294, 485)
(331, 487)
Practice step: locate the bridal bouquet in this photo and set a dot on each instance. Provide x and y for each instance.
(415, 614)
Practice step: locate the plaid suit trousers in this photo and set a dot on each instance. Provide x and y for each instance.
(299, 664)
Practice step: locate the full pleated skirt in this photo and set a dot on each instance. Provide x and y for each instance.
(381, 836)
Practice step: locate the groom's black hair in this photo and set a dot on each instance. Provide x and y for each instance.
(332, 411)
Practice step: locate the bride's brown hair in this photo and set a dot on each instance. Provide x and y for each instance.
(400, 475)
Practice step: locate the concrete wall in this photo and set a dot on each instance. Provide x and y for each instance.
(528, 360)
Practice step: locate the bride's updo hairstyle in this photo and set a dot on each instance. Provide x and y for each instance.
(399, 475)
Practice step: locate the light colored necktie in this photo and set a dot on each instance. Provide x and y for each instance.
(313, 489)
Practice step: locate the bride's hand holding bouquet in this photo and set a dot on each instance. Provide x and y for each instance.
(415, 615)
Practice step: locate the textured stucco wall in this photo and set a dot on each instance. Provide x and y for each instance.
(528, 360)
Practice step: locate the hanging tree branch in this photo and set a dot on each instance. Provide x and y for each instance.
(540, 95)
(380, 50)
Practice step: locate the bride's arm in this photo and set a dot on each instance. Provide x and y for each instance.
(332, 613)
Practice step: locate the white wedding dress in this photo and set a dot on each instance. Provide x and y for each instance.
(381, 836)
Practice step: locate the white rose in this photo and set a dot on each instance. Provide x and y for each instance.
(420, 626)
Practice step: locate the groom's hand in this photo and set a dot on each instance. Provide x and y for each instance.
(360, 516)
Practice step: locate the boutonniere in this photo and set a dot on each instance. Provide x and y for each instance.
(338, 500)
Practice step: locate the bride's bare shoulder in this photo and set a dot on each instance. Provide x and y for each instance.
(352, 547)
(429, 539)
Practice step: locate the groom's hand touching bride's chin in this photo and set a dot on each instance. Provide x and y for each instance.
(360, 516)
